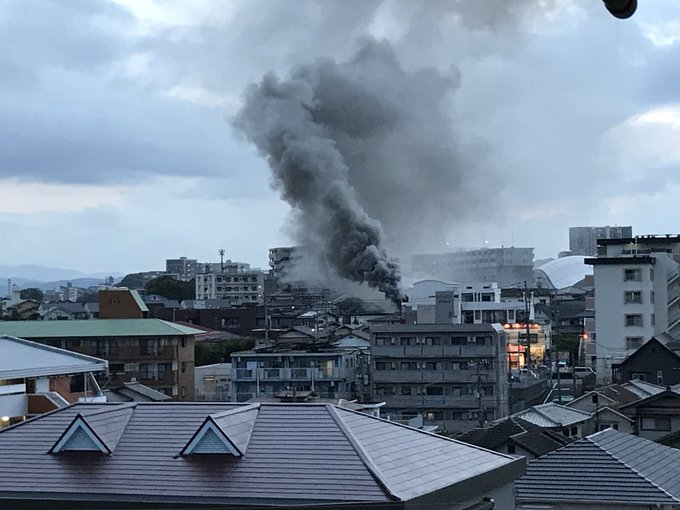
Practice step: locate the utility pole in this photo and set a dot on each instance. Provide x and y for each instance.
(480, 417)
(266, 322)
(527, 354)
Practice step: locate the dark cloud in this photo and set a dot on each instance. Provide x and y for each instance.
(503, 103)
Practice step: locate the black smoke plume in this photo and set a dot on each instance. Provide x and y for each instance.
(295, 123)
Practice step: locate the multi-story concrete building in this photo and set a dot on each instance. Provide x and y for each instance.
(455, 376)
(637, 296)
(282, 259)
(238, 286)
(156, 353)
(184, 268)
(453, 303)
(330, 373)
(583, 240)
(506, 266)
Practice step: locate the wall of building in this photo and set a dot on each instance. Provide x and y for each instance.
(120, 304)
(165, 363)
(618, 332)
(438, 372)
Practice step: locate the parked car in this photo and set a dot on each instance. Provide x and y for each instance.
(582, 372)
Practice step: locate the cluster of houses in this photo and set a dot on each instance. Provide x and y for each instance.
(450, 403)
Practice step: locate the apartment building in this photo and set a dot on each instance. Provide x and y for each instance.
(154, 352)
(637, 296)
(506, 266)
(583, 240)
(475, 303)
(455, 376)
(184, 268)
(237, 285)
(326, 372)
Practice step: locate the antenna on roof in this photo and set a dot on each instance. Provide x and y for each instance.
(221, 252)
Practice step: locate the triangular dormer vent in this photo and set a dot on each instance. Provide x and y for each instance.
(79, 437)
(209, 439)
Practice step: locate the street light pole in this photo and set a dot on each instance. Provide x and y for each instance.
(527, 354)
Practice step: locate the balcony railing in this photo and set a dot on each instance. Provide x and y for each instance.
(398, 376)
(289, 374)
(437, 351)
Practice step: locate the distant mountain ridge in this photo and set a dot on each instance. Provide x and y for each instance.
(47, 278)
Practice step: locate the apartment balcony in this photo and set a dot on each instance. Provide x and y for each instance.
(434, 351)
(437, 401)
(432, 376)
(290, 374)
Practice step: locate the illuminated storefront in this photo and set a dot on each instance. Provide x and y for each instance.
(517, 343)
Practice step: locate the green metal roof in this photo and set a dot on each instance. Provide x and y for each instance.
(95, 328)
(140, 302)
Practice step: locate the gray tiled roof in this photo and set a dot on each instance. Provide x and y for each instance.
(109, 423)
(552, 415)
(294, 454)
(607, 467)
(405, 457)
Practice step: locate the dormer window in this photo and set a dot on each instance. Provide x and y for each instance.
(225, 433)
(95, 431)
(79, 437)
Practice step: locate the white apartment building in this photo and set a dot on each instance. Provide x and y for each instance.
(437, 302)
(239, 287)
(637, 296)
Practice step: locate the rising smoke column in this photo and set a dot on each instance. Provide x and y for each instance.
(281, 119)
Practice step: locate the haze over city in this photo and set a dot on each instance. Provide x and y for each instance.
(516, 123)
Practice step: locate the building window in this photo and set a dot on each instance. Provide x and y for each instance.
(633, 319)
(409, 365)
(632, 296)
(384, 390)
(116, 368)
(480, 340)
(184, 341)
(433, 340)
(655, 423)
(488, 390)
(383, 365)
(632, 275)
(651, 274)
(405, 341)
(184, 392)
(633, 342)
(459, 340)
(148, 346)
(434, 390)
(659, 377)
(164, 369)
(147, 371)
(651, 296)
(653, 319)
(184, 366)
(406, 390)
(639, 377)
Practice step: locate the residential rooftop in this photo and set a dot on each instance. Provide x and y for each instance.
(238, 456)
(95, 328)
(20, 358)
(609, 468)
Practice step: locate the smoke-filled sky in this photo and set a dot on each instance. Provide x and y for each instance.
(491, 122)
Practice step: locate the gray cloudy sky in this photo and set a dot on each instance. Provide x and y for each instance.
(117, 150)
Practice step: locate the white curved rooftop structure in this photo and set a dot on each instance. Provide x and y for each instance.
(566, 271)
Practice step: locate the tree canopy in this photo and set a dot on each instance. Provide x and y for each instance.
(170, 288)
(32, 293)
